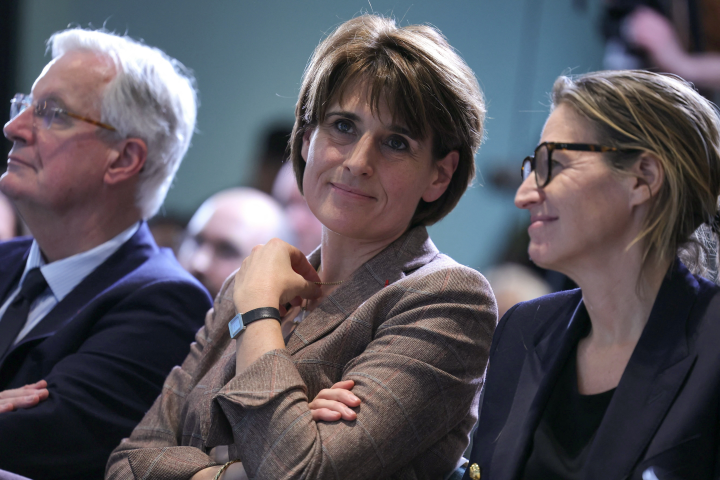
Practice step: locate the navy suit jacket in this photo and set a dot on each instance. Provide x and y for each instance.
(104, 350)
(664, 414)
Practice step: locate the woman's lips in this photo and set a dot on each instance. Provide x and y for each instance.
(349, 191)
(537, 221)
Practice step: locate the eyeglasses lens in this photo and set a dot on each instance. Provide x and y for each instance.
(542, 165)
(526, 168)
(18, 104)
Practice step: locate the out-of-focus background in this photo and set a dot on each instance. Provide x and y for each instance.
(248, 57)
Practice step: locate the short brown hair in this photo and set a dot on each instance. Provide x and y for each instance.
(424, 81)
(663, 115)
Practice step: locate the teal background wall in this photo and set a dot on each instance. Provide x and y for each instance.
(248, 57)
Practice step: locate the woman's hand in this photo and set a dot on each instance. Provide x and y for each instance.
(331, 404)
(236, 471)
(273, 275)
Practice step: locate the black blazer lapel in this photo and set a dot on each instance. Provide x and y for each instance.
(542, 365)
(12, 264)
(126, 259)
(656, 371)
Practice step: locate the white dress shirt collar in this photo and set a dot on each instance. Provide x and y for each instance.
(63, 275)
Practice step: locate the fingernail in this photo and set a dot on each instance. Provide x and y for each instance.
(354, 398)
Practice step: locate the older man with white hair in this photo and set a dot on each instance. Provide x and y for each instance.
(92, 314)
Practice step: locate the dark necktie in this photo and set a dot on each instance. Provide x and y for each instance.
(17, 312)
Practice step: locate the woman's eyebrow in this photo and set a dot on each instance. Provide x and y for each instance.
(342, 113)
(402, 130)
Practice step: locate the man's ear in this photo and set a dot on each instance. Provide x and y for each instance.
(444, 170)
(649, 178)
(306, 142)
(126, 161)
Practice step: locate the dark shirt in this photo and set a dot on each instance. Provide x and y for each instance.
(566, 430)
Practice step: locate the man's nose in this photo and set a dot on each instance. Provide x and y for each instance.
(21, 128)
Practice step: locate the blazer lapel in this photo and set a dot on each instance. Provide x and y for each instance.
(652, 378)
(543, 363)
(11, 268)
(407, 253)
(127, 258)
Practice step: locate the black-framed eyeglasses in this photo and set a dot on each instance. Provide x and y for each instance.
(541, 161)
(49, 111)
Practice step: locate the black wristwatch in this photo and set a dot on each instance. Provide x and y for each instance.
(240, 321)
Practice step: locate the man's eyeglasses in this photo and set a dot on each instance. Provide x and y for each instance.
(49, 111)
(541, 162)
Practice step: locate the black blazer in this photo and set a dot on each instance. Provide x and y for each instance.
(664, 414)
(104, 350)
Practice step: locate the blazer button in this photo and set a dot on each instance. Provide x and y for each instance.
(474, 472)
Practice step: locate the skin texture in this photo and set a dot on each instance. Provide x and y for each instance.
(364, 178)
(583, 224)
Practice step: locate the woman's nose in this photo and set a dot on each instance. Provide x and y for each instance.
(528, 193)
(361, 159)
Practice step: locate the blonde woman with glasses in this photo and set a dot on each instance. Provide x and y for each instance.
(620, 378)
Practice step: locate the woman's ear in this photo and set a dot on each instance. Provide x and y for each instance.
(444, 170)
(306, 142)
(649, 178)
(126, 161)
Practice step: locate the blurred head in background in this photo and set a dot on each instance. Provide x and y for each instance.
(224, 230)
(306, 228)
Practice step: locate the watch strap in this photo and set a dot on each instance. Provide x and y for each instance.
(240, 321)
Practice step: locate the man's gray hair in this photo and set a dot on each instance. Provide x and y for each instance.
(152, 97)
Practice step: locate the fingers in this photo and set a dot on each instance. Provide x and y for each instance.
(300, 264)
(325, 415)
(339, 395)
(23, 397)
(331, 410)
(27, 401)
(346, 384)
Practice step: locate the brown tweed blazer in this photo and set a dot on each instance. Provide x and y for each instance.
(416, 349)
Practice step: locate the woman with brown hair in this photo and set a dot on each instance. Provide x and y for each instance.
(387, 126)
(620, 378)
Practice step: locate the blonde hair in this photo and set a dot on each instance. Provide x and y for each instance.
(424, 82)
(663, 115)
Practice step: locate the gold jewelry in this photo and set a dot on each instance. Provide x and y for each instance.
(223, 468)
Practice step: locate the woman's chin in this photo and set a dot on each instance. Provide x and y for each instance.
(541, 256)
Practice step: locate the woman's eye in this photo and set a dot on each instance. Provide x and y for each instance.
(397, 143)
(343, 126)
(556, 166)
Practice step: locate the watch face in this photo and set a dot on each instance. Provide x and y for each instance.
(236, 325)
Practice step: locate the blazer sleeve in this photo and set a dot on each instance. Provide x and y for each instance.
(418, 381)
(160, 429)
(99, 392)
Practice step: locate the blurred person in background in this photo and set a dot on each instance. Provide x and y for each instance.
(272, 154)
(655, 34)
(93, 315)
(224, 230)
(513, 283)
(10, 226)
(621, 377)
(388, 122)
(306, 228)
